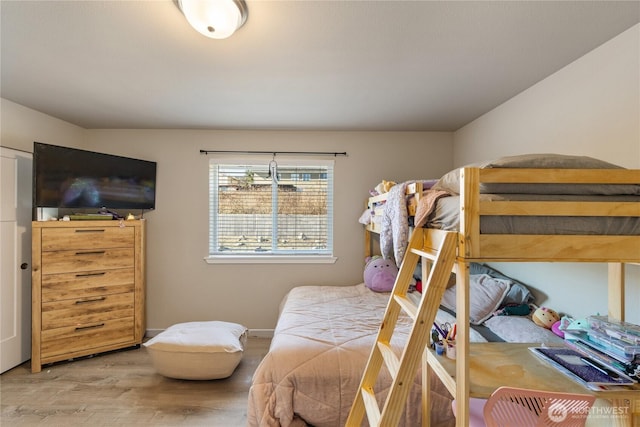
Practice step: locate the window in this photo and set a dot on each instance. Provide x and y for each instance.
(253, 216)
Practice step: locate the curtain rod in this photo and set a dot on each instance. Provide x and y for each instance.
(308, 153)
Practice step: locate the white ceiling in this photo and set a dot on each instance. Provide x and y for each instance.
(318, 65)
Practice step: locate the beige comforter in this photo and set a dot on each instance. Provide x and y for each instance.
(320, 347)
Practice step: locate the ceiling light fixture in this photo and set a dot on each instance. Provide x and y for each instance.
(217, 19)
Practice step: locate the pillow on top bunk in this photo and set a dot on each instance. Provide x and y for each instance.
(550, 161)
(485, 296)
(451, 181)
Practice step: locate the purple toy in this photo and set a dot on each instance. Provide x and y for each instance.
(380, 274)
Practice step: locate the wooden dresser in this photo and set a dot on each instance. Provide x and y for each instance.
(88, 288)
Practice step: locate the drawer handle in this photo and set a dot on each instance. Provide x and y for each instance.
(102, 273)
(91, 253)
(82, 328)
(84, 301)
(82, 230)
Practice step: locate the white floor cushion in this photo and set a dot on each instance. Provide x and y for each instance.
(198, 350)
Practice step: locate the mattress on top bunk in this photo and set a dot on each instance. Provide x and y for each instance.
(439, 206)
(446, 217)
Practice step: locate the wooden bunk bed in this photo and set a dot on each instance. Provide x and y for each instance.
(474, 372)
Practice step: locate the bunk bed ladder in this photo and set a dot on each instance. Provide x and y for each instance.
(437, 249)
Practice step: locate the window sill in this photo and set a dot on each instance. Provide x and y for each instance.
(270, 259)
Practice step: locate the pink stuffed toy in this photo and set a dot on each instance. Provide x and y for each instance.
(380, 274)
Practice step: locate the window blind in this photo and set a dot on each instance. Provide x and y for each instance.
(251, 213)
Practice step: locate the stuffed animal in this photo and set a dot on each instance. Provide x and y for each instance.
(380, 274)
(567, 323)
(384, 186)
(576, 324)
(545, 317)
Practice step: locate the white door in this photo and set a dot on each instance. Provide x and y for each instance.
(15, 257)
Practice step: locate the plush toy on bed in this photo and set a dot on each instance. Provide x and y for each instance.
(545, 317)
(384, 187)
(380, 274)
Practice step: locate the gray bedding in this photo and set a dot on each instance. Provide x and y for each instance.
(446, 217)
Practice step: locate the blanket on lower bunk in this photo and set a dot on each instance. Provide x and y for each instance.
(319, 350)
(324, 336)
(318, 353)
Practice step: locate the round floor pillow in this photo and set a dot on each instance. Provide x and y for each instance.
(198, 350)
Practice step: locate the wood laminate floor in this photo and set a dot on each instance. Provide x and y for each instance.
(123, 389)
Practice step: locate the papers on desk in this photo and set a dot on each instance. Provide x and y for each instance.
(581, 368)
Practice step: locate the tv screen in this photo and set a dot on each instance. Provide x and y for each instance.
(71, 178)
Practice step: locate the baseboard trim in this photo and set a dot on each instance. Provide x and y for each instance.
(260, 333)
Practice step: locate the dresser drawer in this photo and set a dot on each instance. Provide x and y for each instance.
(54, 239)
(72, 339)
(87, 284)
(81, 312)
(86, 260)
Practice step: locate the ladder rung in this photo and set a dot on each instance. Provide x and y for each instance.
(407, 305)
(371, 406)
(390, 358)
(427, 253)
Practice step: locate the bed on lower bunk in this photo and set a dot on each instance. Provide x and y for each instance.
(323, 338)
(318, 353)
(322, 342)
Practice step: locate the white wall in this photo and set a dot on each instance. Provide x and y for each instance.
(21, 126)
(591, 107)
(182, 287)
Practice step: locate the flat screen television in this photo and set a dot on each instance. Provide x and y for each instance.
(66, 177)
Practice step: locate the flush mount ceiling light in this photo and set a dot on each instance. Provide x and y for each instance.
(217, 19)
